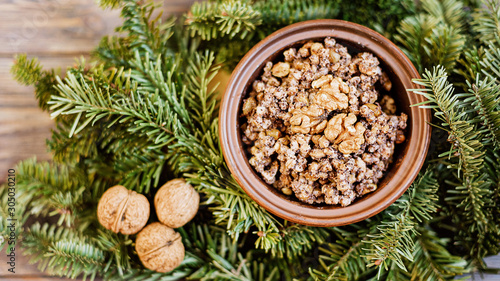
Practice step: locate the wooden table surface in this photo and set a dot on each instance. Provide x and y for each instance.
(55, 31)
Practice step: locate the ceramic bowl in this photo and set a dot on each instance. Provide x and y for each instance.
(408, 157)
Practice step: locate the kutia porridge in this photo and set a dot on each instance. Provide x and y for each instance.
(315, 126)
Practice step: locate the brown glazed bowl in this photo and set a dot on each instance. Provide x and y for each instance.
(408, 157)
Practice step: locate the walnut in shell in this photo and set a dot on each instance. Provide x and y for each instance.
(176, 203)
(159, 247)
(123, 210)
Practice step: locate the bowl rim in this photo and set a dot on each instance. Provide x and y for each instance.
(313, 215)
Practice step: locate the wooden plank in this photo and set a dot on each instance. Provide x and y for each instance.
(53, 27)
(24, 127)
(60, 26)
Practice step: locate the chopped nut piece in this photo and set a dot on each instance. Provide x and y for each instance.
(287, 191)
(388, 105)
(275, 133)
(340, 130)
(319, 128)
(334, 127)
(322, 81)
(400, 137)
(334, 56)
(386, 82)
(330, 98)
(316, 48)
(375, 108)
(369, 188)
(281, 69)
(323, 142)
(249, 105)
(304, 119)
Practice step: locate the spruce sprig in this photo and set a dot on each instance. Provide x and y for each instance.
(490, 63)
(486, 21)
(449, 12)
(63, 252)
(212, 20)
(29, 72)
(484, 100)
(433, 36)
(463, 136)
(432, 261)
(394, 239)
(341, 259)
(468, 189)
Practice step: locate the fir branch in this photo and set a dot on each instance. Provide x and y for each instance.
(26, 72)
(118, 248)
(434, 36)
(62, 252)
(412, 35)
(376, 13)
(146, 33)
(298, 240)
(13, 207)
(395, 273)
(114, 51)
(64, 203)
(465, 139)
(108, 3)
(491, 61)
(144, 112)
(341, 260)
(61, 191)
(202, 100)
(75, 149)
(49, 186)
(142, 32)
(29, 72)
(140, 169)
(471, 64)
(486, 21)
(394, 238)
(162, 78)
(277, 14)
(469, 190)
(444, 46)
(449, 12)
(72, 258)
(392, 243)
(212, 20)
(38, 239)
(432, 261)
(484, 99)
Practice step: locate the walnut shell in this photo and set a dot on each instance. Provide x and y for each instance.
(176, 203)
(123, 210)
(159, 247)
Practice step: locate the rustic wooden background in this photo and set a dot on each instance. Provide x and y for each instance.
(55, 31)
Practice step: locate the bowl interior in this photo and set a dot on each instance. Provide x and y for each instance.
(408, 156)
(398, 93)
